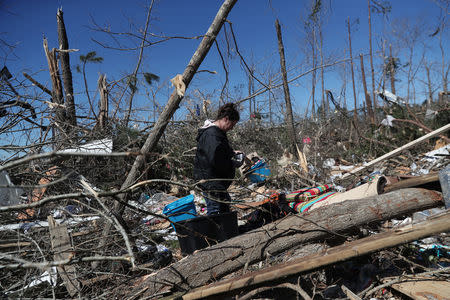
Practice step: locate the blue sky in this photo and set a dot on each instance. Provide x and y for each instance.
(24, 22)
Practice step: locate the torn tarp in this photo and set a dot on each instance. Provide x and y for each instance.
(99, 146)
(389, 97)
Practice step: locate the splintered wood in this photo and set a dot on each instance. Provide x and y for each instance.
(63, 250)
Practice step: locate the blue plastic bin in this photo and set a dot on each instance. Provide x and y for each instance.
(259, 172)
(181, 209)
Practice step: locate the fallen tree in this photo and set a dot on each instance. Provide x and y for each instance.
(217, 261)
(356, 248)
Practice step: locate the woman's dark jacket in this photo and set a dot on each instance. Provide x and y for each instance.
(213, 159)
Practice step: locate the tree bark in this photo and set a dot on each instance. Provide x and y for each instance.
(340, 253)
(372, 71)
(287, 96)
(325, 103)
(313, 75)
(57, 94)
(219, 260)
(366, 93)
(171, 106)
(66, 72)
(392, 71)
(355, 115)
(43, 88)
(104, 104)
(413, 182)
(429, 84)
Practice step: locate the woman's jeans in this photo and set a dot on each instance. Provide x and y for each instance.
(217, 202)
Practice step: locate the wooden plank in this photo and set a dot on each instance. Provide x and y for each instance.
(399, 150)
(424, 289)
(349, 293)
(214, 262)
(412, 182)
(336, 254)
(62, 249)
(15, 244)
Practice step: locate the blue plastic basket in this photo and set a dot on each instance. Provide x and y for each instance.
(181, 209)
(259, 172)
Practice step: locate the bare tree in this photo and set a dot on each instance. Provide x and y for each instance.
(372, 70)
(287, 96)
(355, 115)
(366, 93)
(66, 71)
(133, 77)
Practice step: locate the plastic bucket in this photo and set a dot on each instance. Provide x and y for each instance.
(181, 209)
(201, 232)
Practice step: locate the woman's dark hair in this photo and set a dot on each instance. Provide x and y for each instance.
(228, 110)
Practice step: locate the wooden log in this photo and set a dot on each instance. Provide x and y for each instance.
(14, 245)
(104, 104)
(63, 250)
(399, 150)
(349, 293)
(412, 182)
(287, 95)
(229, 256)
(65, 68)
(424, 288)
(356, 248)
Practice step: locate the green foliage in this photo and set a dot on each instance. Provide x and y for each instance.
(132, 83)
(123, 136)
(150, 77)
(91, 57)
(441, 119)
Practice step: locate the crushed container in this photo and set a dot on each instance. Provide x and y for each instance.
(259, 172)
(181, 209)
(204, 231)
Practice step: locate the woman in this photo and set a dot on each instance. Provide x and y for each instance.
(214, 159)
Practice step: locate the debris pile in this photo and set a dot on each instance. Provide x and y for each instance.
(51, 231)
(326, 207)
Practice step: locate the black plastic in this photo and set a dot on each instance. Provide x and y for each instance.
(201, 232)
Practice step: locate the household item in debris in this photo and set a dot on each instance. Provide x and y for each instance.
(180, 210)
(444, 179)
(375, 186)
(204, 231)
(259, 172)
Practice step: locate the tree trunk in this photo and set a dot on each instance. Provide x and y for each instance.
(325, 103)
(366, 93)
(57, 94)
(171, 106)
(330, 256)
(313, 80)
(392, 71)
(66, 72)
(355, 115)
(104, 105)
(372, 71)
(445, 66)
(429, 85)
(287, 95)
(229, 256)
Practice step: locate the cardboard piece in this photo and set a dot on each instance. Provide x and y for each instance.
(371, 188)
